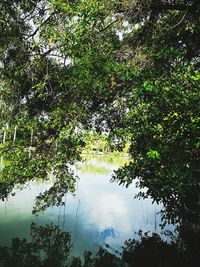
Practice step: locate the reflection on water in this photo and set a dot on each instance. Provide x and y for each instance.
(50, 246)
(101, 213)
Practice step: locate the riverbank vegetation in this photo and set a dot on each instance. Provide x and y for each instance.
(102, 144)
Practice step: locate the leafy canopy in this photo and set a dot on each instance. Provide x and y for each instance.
(130, 68)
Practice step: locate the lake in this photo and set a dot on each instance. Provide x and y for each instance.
(100, 214)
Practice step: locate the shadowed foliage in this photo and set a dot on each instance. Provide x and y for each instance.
(51, 247)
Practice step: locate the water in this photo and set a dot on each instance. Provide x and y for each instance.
(101, 214)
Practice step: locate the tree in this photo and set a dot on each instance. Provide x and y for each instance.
(128, 67)
(51, 75)
(163, 114)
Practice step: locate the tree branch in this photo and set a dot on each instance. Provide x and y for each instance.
(159, 6)
(44, 22)
(109, 25)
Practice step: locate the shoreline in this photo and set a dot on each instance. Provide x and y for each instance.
(105, 154)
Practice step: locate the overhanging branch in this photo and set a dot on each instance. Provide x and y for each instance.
(159, 6)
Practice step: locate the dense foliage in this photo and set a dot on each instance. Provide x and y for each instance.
(130, 68)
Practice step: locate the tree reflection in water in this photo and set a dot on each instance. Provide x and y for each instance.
(49, 246)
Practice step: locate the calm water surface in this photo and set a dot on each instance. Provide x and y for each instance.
(102, 213)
